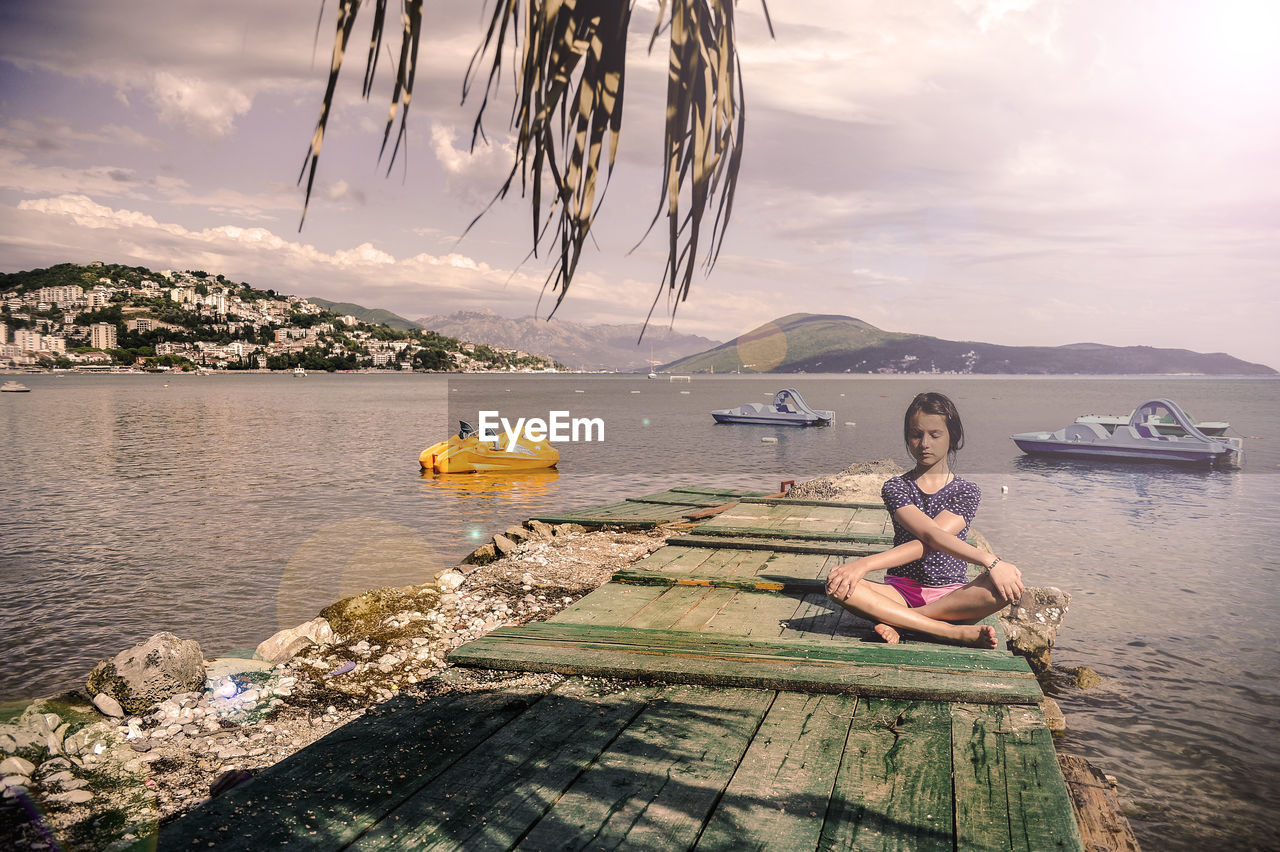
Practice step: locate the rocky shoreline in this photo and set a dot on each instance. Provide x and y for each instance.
(159, 729)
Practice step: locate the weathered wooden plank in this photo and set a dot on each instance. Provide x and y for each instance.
(668, 608)
(655, 785)
(815, 616)
(791, 534)
(1097, 808)
(596, 521)
(704, 614)
(728, 668)
(723, 492)
(1040, 813)
(667, 555)
(941, 657)
(893, 791)
(780, 791)
(777, 545)
(787, 501)
(508, 782)
(321, 798)
(686, 501)
(757, 583)
(752, 615)
(612, 603)
(803, 565)
(979, 777)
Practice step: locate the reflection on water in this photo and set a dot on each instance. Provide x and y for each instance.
(224, 508)
(519, 483)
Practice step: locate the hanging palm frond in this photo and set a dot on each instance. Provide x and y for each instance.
(569, 64)
(569, 76)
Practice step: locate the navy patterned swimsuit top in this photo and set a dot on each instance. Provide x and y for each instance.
(960, 497)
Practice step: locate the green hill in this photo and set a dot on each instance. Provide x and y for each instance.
(372, 316)
(794, 339)
(826, 343)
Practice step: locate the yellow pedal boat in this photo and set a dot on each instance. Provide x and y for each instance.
(466, 453)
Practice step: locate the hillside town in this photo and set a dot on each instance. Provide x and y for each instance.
(104, 317)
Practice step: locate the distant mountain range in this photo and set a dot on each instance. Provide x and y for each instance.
(579, 347)
(826, 343)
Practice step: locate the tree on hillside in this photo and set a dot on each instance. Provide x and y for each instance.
(569, 68)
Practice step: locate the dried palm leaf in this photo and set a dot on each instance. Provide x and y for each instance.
(569, 67)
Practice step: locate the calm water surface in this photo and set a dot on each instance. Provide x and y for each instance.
(223, 508)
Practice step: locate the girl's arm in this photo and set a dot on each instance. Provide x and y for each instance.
(842, 578)
(1005, 575)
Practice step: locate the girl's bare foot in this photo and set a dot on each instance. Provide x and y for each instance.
(977, 636)
(888, 634)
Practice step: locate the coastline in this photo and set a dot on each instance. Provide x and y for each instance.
(108, 782)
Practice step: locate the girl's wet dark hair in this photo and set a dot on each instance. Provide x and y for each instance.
(935, 403)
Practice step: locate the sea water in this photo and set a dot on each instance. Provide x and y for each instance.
(223, 508)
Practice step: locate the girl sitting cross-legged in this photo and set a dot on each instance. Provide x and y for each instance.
(925, 588)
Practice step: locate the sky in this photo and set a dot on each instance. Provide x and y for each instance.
(1021, 172)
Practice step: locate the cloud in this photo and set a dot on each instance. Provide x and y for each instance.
(201, 106)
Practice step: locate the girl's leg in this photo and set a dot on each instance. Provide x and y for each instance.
(873, 604)
(968, 604)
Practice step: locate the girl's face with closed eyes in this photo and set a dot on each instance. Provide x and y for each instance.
(928, 438)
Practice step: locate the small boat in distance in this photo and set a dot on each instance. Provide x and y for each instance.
(299, 372)
(1136, 440)
(787, 409)
(14, 387)
(466, 453)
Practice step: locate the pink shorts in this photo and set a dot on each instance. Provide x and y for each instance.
(918, 595)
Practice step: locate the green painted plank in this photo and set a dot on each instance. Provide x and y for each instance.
(745, 670)
(673, 558)
(1040, 811)
(612, 603)
(893, 791)
(780, 791)
(723, 492)
(947, 658)
(790, 533)
(978, 773)
(654, 787)
(778, 584)
(816, 616)
(801, 565)
(668, 608)
(704, 614)
(508, 782)
(752, 615)
(687, 501)
(786, 501)
(328, 793)
(592, 521)
(777, 545)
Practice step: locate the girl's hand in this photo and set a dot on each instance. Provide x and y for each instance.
(1008, 581)
(842, 578)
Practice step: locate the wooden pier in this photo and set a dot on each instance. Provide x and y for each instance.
(715, 699)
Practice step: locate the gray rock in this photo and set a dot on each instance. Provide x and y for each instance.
(147, 674)
(568, 529)
(482, 555)
(517, 534)
(1032, 624)
(504, 545)
(540, 529)
(108, 706)
(17, 766)
(288, 643)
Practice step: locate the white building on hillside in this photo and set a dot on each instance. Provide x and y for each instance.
(102, 335)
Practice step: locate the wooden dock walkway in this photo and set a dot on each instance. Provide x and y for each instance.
(714, 699)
